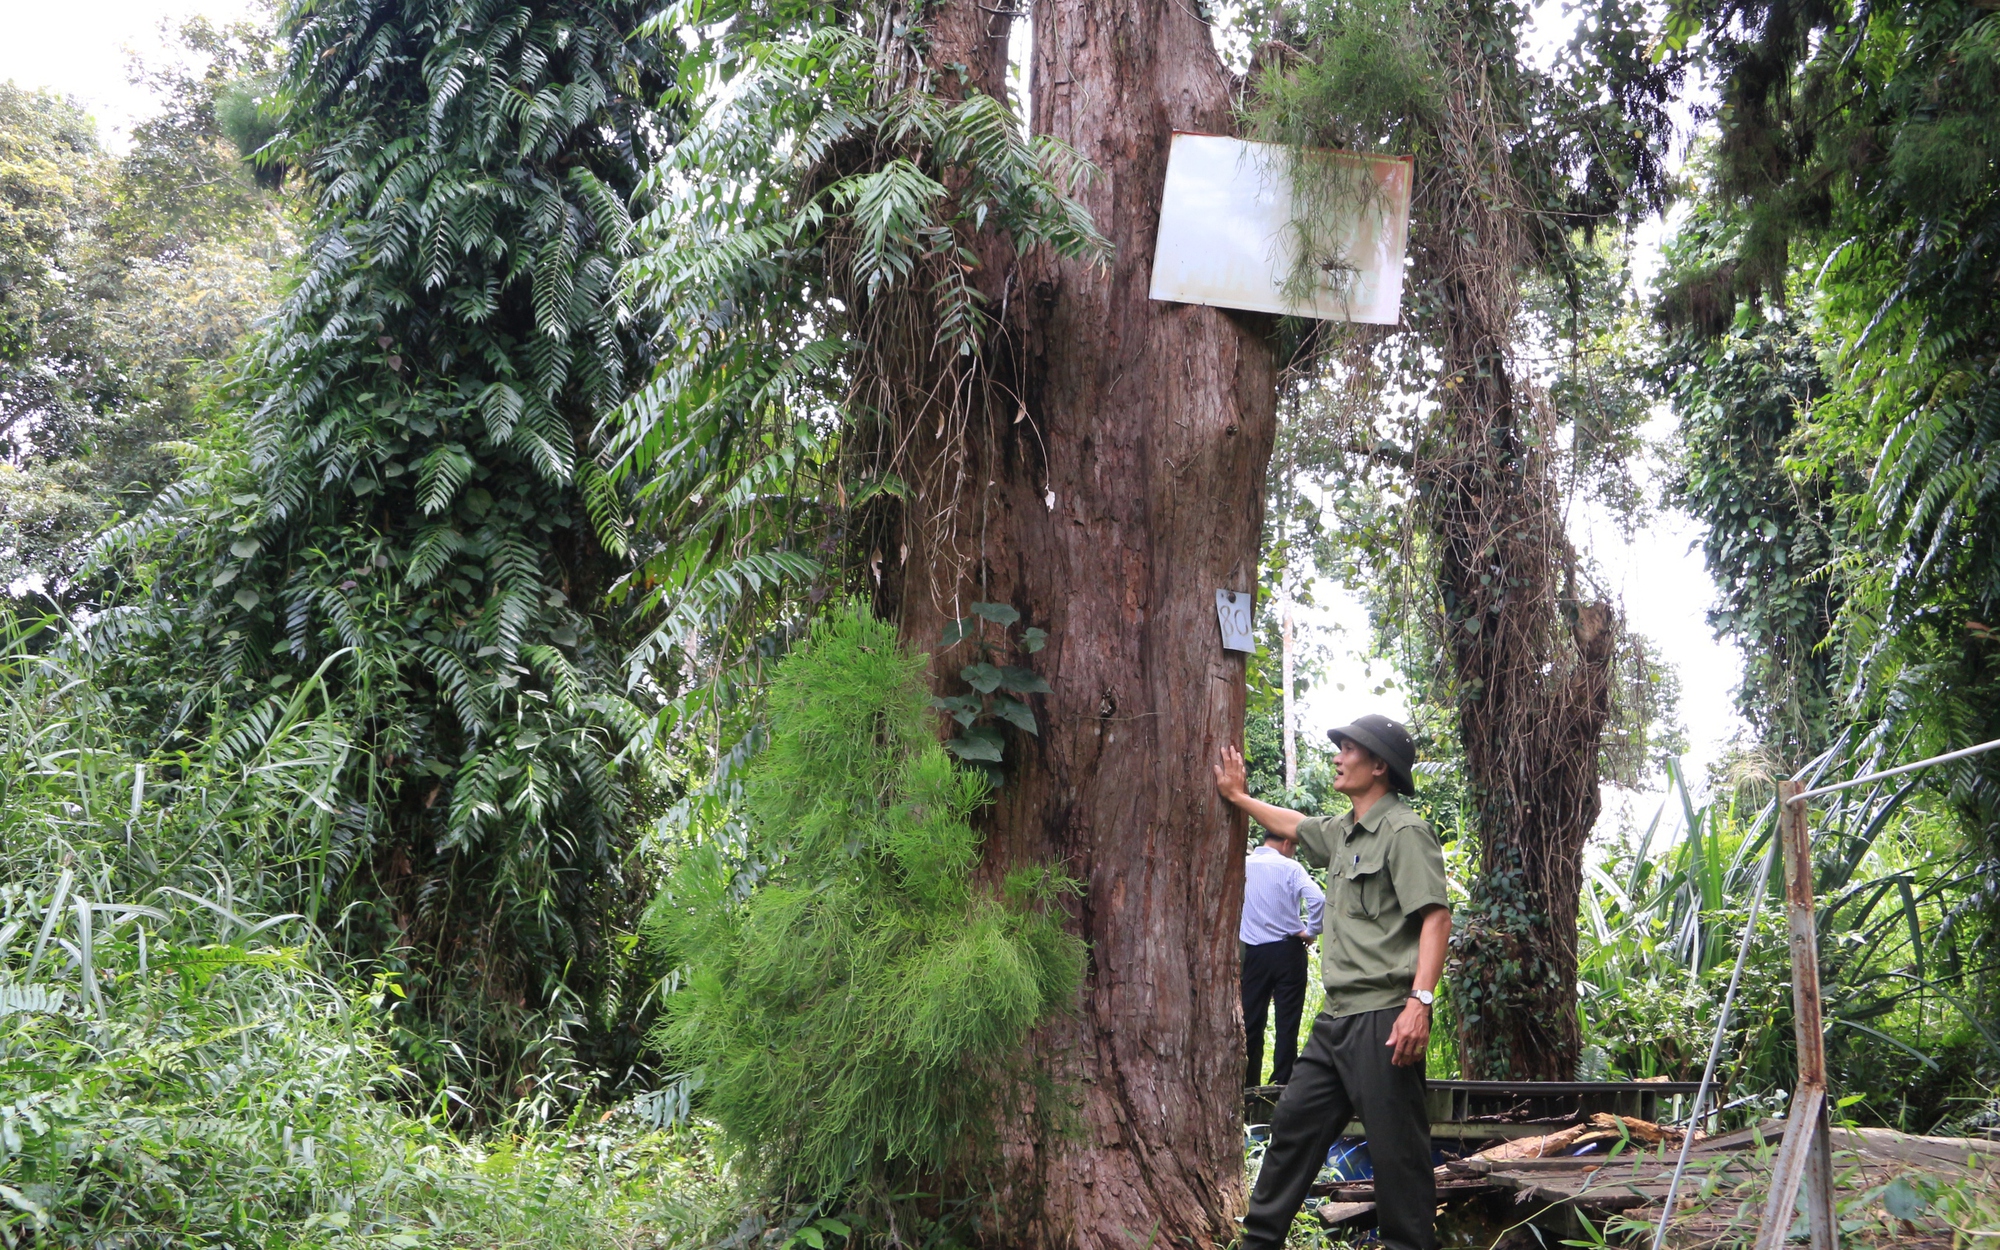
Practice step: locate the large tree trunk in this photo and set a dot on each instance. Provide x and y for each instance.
(1531, 663)
(1114, 478)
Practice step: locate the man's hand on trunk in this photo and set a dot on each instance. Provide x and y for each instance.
(1232, 783)
(1231, 777)
(1411, 1035)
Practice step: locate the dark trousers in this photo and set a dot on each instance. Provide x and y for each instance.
(1344, 1072)
(1273, 972)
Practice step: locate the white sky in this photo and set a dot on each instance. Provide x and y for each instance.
(82, 48)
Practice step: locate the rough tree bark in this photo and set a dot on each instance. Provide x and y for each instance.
(1113, 481)
(1531, 662)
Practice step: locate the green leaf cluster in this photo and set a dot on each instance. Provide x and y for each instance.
(999, 694)
(852, 998)
(401, 494)
(821, 215)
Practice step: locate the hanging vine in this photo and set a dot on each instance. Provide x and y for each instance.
(1511, 166)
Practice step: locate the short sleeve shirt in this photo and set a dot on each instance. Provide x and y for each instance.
(1382, 872)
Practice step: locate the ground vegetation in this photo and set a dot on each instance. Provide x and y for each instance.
(188, 1059)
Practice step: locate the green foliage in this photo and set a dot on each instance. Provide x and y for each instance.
(851, 999)
(998, 692)
(817, 221)
(1906, 1037)
(180, 1063)
(1378, 77)
(46, 148)
(126, 279)
(1743, 392)
(1854, 174)
(400, 494)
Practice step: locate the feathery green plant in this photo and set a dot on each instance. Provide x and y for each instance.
(851, 996)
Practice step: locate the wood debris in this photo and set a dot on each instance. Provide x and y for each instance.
(1601, 1127)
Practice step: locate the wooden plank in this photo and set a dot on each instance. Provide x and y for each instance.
(1577, 1163)
(1789, 1169)
(1808, 1027)
(1337, 1214)
(1364, 1191)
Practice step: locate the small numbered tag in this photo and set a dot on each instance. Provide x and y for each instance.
(1232, 609)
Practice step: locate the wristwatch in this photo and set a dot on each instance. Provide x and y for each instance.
(1423, 996)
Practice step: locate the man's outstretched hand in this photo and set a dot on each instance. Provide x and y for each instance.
(1233, 784)
(1231, 779)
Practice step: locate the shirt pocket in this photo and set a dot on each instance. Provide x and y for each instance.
(1365, 884)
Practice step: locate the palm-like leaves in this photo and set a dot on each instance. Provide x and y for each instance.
(1895, 961)
(812, 216)
(406, 504)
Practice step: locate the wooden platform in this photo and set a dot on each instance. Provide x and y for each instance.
(1722, 1193)
(1485, 1111)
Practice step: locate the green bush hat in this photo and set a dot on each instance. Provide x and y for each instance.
(1387, 741)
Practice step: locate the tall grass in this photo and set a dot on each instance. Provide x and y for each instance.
(181, 1064)
(1899, 955)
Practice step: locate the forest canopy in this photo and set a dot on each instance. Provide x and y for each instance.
(607, 625)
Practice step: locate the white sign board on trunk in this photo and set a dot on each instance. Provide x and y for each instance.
(1229, 234)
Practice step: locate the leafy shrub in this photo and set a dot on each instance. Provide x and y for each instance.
(1908, 1043)
(850, 995)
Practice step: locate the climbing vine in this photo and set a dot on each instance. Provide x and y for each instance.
(1514, 168)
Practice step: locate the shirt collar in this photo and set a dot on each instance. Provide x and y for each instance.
(1372, 822)
(1263, 849)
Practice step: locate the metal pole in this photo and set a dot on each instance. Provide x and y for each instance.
(1715, 1047)
(1807, 1153)
(1898, 771)
(1291, 732)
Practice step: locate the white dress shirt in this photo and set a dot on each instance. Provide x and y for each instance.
(1273, 888)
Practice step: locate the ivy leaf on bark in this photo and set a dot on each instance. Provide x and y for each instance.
(1022, 680)
(963, 708)
(1015, 713)
(981, 744)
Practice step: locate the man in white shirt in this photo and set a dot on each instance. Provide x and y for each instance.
(1274, 951)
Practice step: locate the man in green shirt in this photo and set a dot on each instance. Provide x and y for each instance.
(1387, 923)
